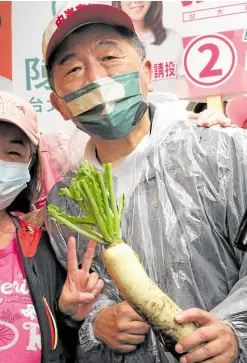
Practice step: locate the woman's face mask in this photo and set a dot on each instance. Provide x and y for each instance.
(13, 179)
(109, 108)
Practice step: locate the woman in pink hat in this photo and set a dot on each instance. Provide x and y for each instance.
(41, 305)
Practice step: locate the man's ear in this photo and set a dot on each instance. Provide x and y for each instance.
(147, 70)
(60, 106)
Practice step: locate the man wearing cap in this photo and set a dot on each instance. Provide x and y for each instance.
(184, 186)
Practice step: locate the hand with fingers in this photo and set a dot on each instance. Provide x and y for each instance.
(81, 288)
(220, 341)
(211, 117)
(120, 328)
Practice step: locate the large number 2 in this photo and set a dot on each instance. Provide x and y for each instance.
(208, 71)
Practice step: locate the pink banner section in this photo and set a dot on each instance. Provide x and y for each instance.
(215, 12)
(215, 63)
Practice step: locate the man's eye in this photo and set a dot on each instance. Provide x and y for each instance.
(109, 57)
(73, 70)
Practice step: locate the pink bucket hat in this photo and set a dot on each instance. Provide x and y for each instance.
(20, 113)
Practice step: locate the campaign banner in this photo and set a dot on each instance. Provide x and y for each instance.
(215, 48)
(197, 48)
(6, 46)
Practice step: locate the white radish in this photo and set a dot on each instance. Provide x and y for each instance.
(142, 293)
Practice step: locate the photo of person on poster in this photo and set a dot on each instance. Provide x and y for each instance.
(163, 45)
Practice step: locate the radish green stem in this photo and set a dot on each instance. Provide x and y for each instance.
(78, 230)
(96, 192)
(92, 232)
(85, 209)
(99, 220)
(106, 204)
(83, 195)
(109, 182)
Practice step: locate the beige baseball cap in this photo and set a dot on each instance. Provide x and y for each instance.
(73, 15)
(20, 113)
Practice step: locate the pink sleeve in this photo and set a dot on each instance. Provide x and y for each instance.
(236, 110)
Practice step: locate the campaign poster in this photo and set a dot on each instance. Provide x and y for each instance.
(197, 48)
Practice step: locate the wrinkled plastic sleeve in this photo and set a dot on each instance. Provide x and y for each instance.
(87, 338)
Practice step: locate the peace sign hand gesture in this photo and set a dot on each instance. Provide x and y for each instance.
(81, 288)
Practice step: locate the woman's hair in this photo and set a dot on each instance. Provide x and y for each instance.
(23, 202)
(153, 20)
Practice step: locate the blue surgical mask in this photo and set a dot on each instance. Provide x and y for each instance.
(13, 179)
(109, 108)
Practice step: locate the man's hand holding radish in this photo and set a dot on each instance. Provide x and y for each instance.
(221, 344)
(120, 327)
(81, 288)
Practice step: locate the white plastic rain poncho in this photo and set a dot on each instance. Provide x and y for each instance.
(186, 190)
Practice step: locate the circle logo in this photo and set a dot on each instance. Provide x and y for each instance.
(210, 60)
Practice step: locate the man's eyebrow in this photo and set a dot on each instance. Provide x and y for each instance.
(105, 42)
(109, 42)
(67, 57)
